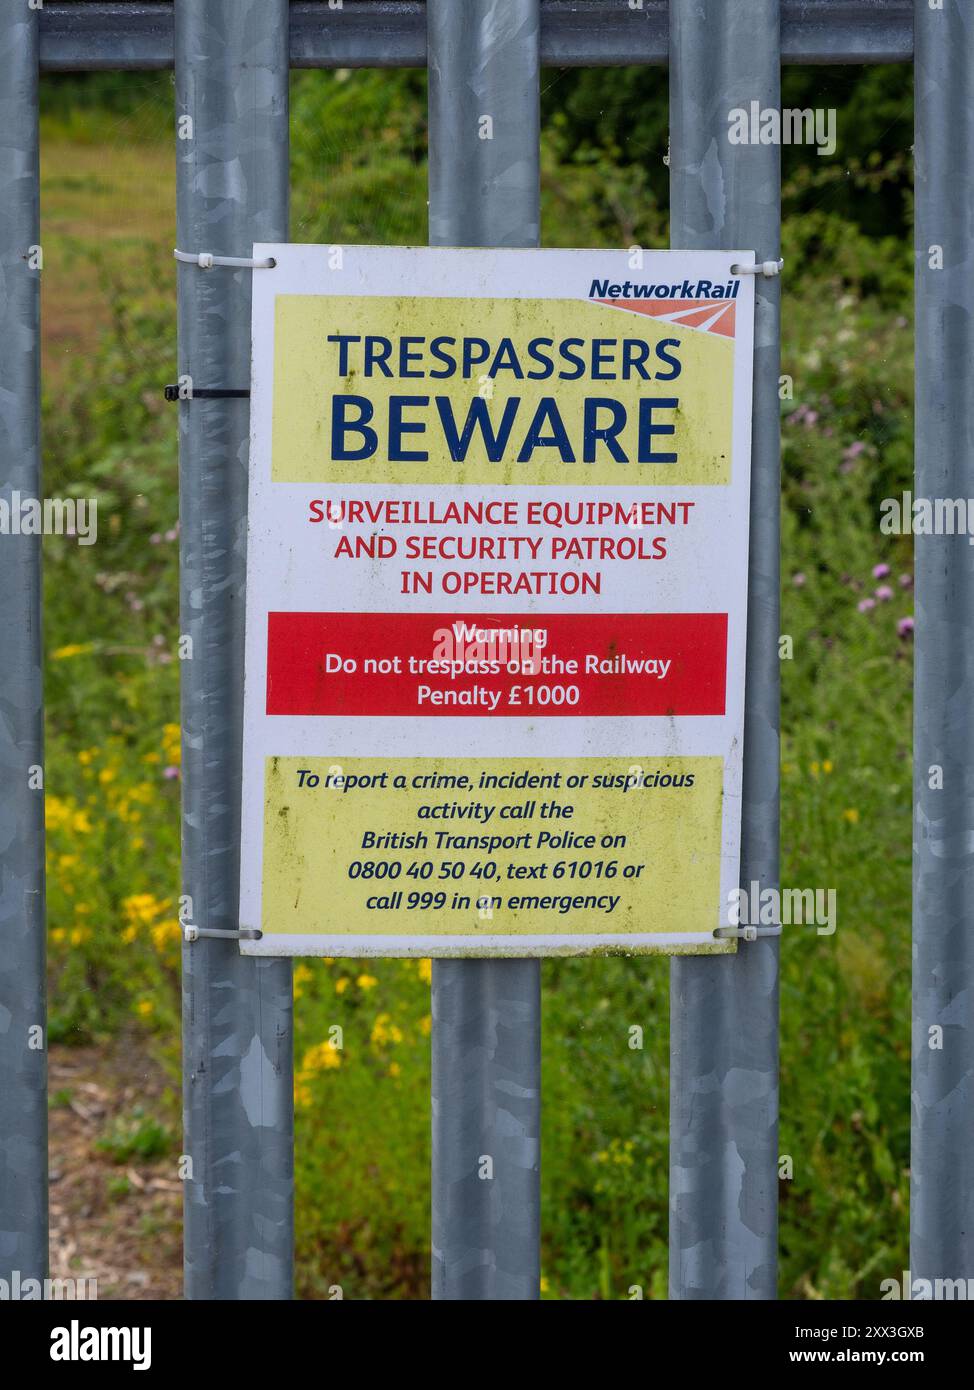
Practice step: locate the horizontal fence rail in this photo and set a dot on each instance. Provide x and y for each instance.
(392, 34)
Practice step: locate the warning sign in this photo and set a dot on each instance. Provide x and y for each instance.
(496, 600)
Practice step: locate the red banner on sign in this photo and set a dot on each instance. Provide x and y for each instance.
(517, 665)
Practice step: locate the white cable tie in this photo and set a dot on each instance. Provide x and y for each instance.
(206, 261)
(191, 933)
(745, 933)
(766, 268)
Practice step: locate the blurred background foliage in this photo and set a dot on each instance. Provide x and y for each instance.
(358, 175)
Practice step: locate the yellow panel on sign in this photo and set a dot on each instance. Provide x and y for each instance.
(561, 846)
(546, 392)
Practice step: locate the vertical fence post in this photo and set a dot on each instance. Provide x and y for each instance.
(232, 190)
(942, 1166)
(724, 1010)
(486, 1082)
(23, 1022)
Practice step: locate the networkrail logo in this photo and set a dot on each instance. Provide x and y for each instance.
(704, 305)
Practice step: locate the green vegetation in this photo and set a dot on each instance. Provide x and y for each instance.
(136, 1136)
(111, 630)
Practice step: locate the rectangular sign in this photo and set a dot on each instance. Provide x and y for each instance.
(496, 601)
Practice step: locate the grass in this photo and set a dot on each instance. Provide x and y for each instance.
(94, 234)
(363, 1112)
(137, 1135)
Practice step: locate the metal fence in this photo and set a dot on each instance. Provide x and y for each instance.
(231, 61)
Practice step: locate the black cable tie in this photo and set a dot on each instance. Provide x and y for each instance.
(206, 393)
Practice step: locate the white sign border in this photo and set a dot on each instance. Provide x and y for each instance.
(418, 271)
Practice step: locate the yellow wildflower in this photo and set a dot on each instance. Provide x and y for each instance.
(851, 815)
(322, 1057)
(171, 743)
(57, 813)
(385, 1031)
(426, 971)
(72, 649)
(366, 982)
(166, 934)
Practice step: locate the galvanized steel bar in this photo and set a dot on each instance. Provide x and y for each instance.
(392, 33)
(583, 34)
(23, 1021)
(486, 1082)
(604, 33)
(846, 31)
(96, 37)
(232, 190)
(373, 34)
(724, 1010)
(942, 1165)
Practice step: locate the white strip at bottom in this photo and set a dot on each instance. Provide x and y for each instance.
(647, 943)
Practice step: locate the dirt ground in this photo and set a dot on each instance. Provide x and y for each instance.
(114, 1219)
